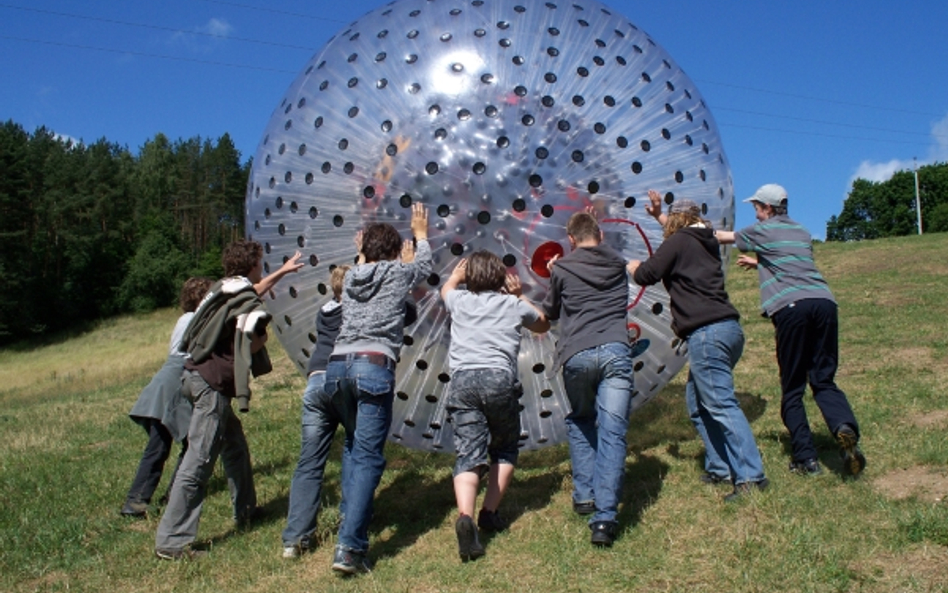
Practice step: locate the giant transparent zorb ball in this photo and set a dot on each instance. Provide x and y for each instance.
(503, 118)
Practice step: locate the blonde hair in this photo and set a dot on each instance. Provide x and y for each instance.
(336, 279)
(675, 221)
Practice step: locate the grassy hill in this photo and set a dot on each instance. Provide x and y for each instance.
(68, 452)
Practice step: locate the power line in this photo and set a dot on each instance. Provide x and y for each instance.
(274, 11)
(146, 55)
(819, 134)
(156, 27)
(830, 123)
(808, 98)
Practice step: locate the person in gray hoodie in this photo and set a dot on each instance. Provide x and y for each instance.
(361, 370)
(589, 295)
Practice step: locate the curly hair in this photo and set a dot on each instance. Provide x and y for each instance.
(336, 278)
(485, 272)
(240, 257)
(679, 220)
(582, 226)
(380, 241)
(193, 291)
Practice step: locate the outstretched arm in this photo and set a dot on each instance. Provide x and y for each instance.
(457, 277)
(747, 262)
(265, 286)
(654, 207)
(513, 286)
(724, 237)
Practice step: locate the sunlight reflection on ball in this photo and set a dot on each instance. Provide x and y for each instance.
(503, 118)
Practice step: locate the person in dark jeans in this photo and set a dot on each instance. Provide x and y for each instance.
(361, 372)
(588, 295)
(797, 299)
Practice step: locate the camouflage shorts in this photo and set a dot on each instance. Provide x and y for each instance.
(484, 409)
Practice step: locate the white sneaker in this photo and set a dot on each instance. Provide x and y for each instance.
(291, 552)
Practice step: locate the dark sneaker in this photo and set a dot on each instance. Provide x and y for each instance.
(348, 562)
(135, 510)
(853, 459)
(603, 533)
(586, 507)
(807, 467)
(745, 488)
(185, 554)
(490, 521)
(250, 517)
(713, 479)
(469, 547)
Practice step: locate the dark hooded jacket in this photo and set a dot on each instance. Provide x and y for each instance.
(589, 294)
(689, 266)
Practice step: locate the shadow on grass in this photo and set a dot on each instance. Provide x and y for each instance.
(410, 506)
(643, 483)
(827, 449)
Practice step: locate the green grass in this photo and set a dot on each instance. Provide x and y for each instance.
(68, 452)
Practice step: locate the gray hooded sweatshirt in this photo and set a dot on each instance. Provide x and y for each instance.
(373, 304)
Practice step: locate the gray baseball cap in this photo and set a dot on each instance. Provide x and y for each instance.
(770, 194)
(684, 205)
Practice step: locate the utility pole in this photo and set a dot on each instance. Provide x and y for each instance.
(918, 202)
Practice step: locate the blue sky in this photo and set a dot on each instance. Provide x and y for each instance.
(806, 94)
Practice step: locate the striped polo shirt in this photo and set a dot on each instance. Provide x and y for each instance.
(784, 263)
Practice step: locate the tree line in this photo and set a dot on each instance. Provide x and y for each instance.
(88, 231)
(873, 210)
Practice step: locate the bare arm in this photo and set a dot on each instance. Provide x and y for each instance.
(747, 262)
(265, 286)
(513, 286)
(654, 207)
(457, 277)
(724, 237)
(419, 222)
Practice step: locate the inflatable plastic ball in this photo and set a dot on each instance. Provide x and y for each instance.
(503, 118)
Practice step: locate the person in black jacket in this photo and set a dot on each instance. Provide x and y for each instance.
(688, 263)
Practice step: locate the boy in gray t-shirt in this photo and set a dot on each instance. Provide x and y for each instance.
(482, 401)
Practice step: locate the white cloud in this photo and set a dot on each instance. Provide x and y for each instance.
(217, 27)
(937, 152)
(204, 37)
(939, 149)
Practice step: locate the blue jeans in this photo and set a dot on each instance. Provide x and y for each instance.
(322, 415)
(598, 384)
(730, 449)
(369, 390)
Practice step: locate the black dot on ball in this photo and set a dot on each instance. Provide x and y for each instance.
(431, 168)
(368, 192)
(503, 142)
(542, 152)
(483, 217)
(679, 176)
(577, 156)
(510, 260)
(457, 249)
(657, 308)
(519, 205)
(313, 260)
(404, 201)
(520, 91)
(563, 125)
(337, 220)
(443, 210)
(593, 187)
(629, 202)
(479, 168)
(539, 368)
(636, 167)
(536, 180)
(421, 364)
(408, 340)
(547, 210)
(434, 280)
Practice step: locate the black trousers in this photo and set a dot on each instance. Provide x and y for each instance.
(153, 460)
(807, 333)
